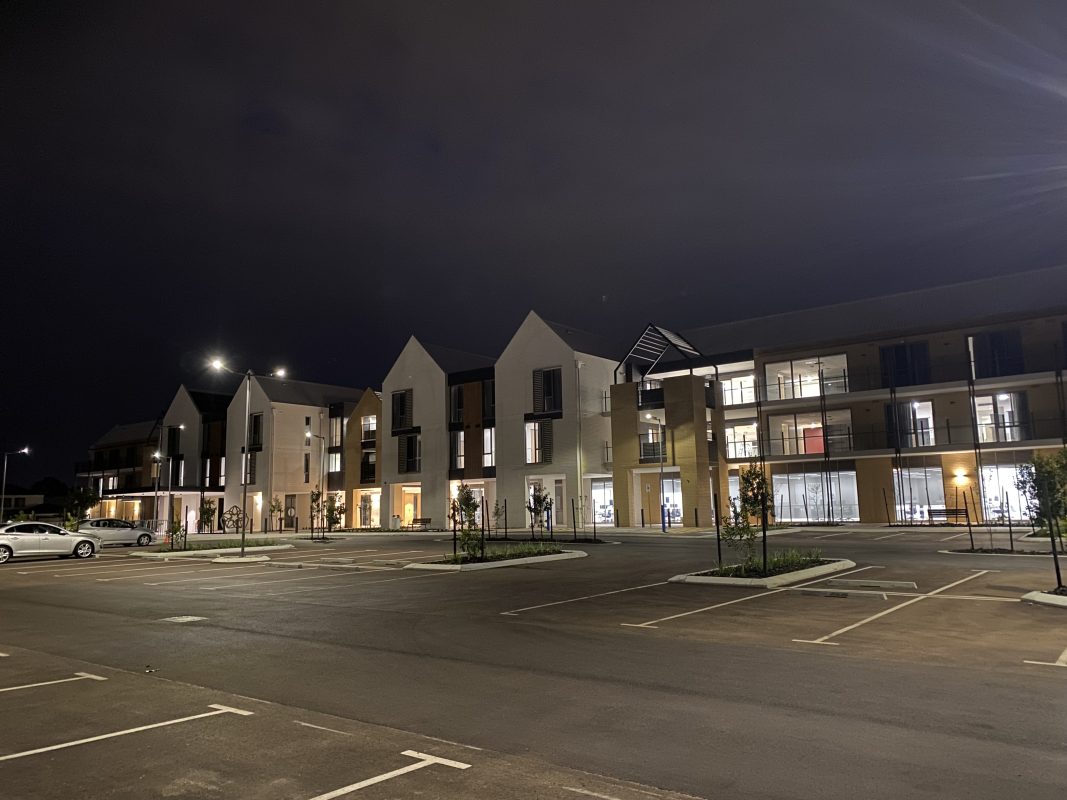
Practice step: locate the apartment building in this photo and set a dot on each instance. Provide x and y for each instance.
(908, 407)
(553, 426)
(192, 452)
(297, 433)
(123, 471)
(363, 486)
(438, 415)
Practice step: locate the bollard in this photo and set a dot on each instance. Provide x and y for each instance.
(574, 520)
(642, 518)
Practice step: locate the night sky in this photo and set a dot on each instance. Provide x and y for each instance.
(309, 183)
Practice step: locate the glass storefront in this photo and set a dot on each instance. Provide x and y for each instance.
(917, 490)
(603, 500)
(806, 493)
(368, 508)
(1001, 499)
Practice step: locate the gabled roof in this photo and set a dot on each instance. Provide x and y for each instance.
(130, 433)
(585, 342)
(450, 360)
(939, 308)
(210, 404)
(284, 390)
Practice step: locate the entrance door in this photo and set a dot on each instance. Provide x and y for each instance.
(290, 511)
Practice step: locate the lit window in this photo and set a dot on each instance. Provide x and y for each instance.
(335, 462)
(457, 449)
(489, 447)
(533, 443)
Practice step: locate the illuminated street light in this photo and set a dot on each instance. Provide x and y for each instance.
(218, 365)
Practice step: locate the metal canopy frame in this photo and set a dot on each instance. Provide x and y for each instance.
(653, 342)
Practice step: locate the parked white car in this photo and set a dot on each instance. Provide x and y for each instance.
(41, 539)
(118, 531)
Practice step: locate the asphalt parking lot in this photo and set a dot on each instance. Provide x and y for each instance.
(558, 671)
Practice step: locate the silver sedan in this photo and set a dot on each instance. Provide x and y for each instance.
(42, 539)
(118, 531)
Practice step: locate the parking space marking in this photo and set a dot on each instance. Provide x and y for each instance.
(215, 576)
(290, 580)
(890, 536)
(320, 728)
(78, 676)
(839, 533)
(825, 639)
(584, 597)
(336, 586)
(218, 709)
(4, 655)
(652, 623)
(954, 536)
(424, 760)
(1059, 662)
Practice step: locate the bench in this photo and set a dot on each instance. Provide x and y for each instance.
(420, 523)
(948, 515)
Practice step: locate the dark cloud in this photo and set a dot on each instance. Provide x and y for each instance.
(310, 184)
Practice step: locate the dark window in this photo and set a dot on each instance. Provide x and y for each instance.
(455, 404)
(174, 440)
(403, 413)
(996, 353)
(307, 467)
(489, 398)
(251, 468)
(409, 453)
(905, 364)
(548, 390)
(255, 430)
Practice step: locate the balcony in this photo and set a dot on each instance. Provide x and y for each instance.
(366, 472)
(650, 451)
(650, 394)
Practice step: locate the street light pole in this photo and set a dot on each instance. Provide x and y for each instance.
(3, 484)
(217, 364)
(662, 459)
(322, 464)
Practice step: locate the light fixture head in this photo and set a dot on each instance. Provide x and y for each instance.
(216, 364)
(648, 416)
(157, 454)
(279, 372)
(181, 426)
(25, 451)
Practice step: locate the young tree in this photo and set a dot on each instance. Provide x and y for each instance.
(335, 512)
(1043, 484)
(276, 510)
(206, 522)
(317, 507)
(755, 495)
(79, 501)
(539, 505)
(466, 510)
(738, 533)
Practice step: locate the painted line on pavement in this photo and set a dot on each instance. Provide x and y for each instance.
(4, 655)
(78, 676)
(219, 709)
(55, 565)
(424, 760)
(831, 535)
(1059, 662)
(320, 728)
(513, 612)
(216, 570)
(116, 569)
(955, 536)
(825, 639)
(336, 586)
(890, 536)
(588, 793)
(290, 580)
(652, 623)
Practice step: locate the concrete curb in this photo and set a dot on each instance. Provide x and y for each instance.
(509, 562)
(1046, 599)
(238, 559)
(1008, 555)
(220, 551)
(836, 565)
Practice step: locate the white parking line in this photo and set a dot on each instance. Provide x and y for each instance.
(584, 597)
(831, 535)
(218, 710)
(54, 565)
(326, 574)
(890, 536)
(336, 586)
(955, 536)
(78, 676)
(215, 570)
(825, 639)
(4, 655)
(320, 728)
(652, 623)
(1059, 662)
(114, 569)
(425, 760)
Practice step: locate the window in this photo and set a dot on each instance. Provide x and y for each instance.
(336, 431)
(455, 404)
(307, 467)
(489, 447)
(255, 430)
(741, 440)
(906, 364)
(409, 453)
(917, 491)
(539, 442)
(808, 377)
(111, 482)
(489, 399)
(739, 389)
(1001, 417)
(548, 390)
(802, 493)
(456, 446)
(174, 440)
(222, 471)
(335, 462)
(402, 409)
(307, 422)
(996, 353)
(804, 434)
(207, 472)
(250, 467)
(369, 426)
(602, 498)
(181, 472)
(912, 425)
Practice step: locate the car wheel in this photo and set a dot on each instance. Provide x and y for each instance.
(83, 550)
(5, 553)
(144, 540)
